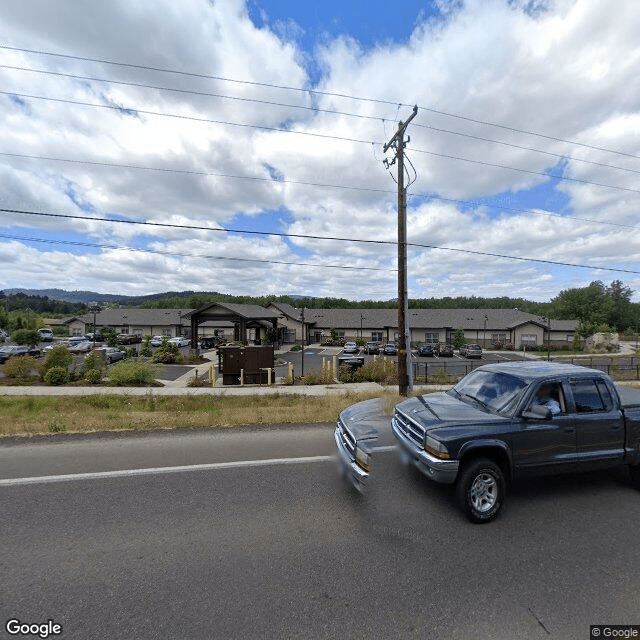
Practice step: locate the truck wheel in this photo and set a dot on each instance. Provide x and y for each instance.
(634, 472)
(481, 490)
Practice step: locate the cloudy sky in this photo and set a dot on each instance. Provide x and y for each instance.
(237, 146)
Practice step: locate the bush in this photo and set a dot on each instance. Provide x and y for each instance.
(167, 353)
(19, 366)
(26, 336)
(57, 357)
(130, 373)
(93, 376)
(310, 378)
(379, 370)
(146, 351)
(56, 376)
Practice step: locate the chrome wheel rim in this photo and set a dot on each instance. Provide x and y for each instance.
(484, 492)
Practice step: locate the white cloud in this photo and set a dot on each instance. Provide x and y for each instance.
(568, 70)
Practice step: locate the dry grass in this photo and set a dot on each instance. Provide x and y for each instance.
(43, 414)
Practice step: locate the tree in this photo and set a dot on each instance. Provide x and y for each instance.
(458, 339)
(26, 336)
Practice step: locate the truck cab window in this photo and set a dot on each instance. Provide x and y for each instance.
(586, 396)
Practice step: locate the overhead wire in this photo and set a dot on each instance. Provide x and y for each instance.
(316, 109)
(428, 196)
(135, 111)
(312, 91)
(287, 235)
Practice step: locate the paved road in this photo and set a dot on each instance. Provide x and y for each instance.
(271, 549)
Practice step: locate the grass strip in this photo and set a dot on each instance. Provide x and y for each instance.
(30, 415)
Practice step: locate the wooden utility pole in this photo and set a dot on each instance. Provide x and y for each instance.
(405, 377)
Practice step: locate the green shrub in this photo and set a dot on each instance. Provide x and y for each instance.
(310, 378)
(167, 353)
(130, 373)
(56, 376)
(19, 366)
(146, 351)
(93, 376)
(57, 357)
(379, 370)
(26, 336)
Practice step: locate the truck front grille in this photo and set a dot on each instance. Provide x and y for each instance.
(347, 439)
(412, 430)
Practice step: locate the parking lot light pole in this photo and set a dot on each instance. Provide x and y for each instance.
(303, 339)
(95, 309)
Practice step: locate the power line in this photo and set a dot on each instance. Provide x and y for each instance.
(286, 235)
(135, 111)
(320, 93)
(73, 243)
(430, 196)
(313, 109)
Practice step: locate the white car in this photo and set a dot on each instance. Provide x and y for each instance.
(81, 347)
(179, 341)
(156, 341)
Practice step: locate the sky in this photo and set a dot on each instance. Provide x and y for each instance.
(238, 146)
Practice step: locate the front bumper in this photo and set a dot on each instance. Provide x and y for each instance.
(346, 460)
(444, 471)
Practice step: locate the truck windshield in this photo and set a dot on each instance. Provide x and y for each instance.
(499, 392)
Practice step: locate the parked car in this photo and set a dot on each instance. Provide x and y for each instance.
(81, 347)
(471, 351)
(110, 354)
(129, 338)
(351, 347)
(180, 341)
(13, 350)
(425, 350)
(390, 349)
(444, 349)
(46, 335)
(209, 342)
(372, 347)
(156, 341)
(94, 337)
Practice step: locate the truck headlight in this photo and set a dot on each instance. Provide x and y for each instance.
(363, 458)
(436, 448)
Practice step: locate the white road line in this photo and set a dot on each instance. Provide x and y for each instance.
(125, 473)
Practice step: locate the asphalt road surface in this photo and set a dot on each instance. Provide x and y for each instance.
(252, 534)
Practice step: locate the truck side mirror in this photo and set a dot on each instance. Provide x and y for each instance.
(537, 412)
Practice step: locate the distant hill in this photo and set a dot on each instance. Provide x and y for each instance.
(89, 297)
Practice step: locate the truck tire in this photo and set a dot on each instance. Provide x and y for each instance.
(481, 490)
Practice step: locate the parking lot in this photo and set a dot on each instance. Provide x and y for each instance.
(457, 365)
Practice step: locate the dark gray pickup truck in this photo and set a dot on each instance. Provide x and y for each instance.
(500, 422)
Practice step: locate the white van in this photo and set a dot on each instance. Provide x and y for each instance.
(46, 335)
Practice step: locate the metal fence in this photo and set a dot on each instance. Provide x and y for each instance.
(618, 368)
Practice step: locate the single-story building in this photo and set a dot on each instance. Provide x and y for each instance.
(486, 327)
(290, 325)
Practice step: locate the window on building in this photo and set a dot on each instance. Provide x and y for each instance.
(528, 340)
(376, 336)
(498, 338)
(432, 338)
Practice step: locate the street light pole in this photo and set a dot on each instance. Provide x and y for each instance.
(96, 309)
(303, 340)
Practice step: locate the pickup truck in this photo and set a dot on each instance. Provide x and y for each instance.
(501, 422)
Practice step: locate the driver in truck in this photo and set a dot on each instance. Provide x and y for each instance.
(545, 399)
